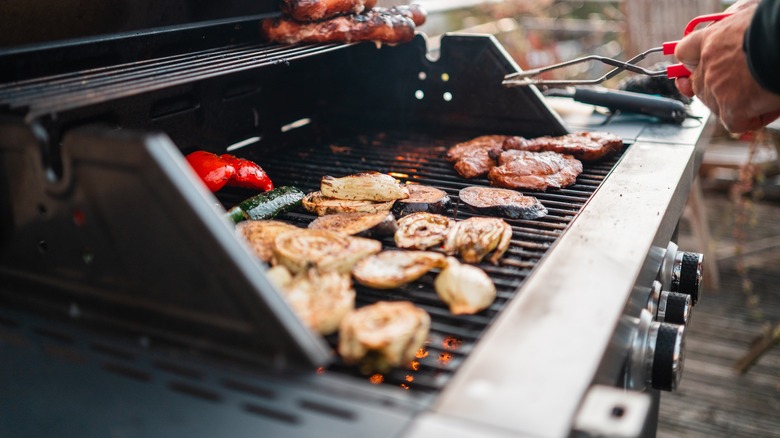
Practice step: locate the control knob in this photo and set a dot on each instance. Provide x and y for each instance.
(674, 308)
(687, 274)
(657, 355)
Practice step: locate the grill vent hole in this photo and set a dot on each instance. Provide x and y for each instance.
(194, 391)
(125, 371)
(270, 413)
(178, 370)
(248, 389)
(327, 410)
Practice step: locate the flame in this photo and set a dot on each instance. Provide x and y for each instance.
(399, 175)
(414, 365)
(405, 386)
(421, 353)
(376, 379)
(444, 358)
(409, 378)
(451, 343)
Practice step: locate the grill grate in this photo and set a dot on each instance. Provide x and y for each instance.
(417, 157)
(66, 91)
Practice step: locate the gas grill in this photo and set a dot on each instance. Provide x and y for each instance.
(129, 306)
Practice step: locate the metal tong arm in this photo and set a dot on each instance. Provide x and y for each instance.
(525, 78)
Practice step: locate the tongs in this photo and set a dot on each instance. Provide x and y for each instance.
(526, 78)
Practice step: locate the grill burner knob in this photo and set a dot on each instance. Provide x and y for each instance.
(674, 308)
(687, 274)
(667, 360)
(657, 355)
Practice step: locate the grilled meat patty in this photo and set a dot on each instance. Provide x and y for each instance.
(586, 146)
(476, 157)
(316, 10)
(503, 202)
(534, 170)
(390, 26)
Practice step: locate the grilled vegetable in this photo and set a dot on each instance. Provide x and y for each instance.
(220, 170)
(248, 174)
(358, 224)
(422, 198)
(321, 205)
(364, 186)
(260, 235)
(465, 288)
(383, 335)
(422, 230)
(502, 202)
(327, 250)
(321, 300)
(474, 238)
(267, 205)
(391, 269)
(211, 168)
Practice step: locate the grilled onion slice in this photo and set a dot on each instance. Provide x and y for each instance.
(476, 237)
(503, 202)
(465, 288)
(364, 186)
(422, 198)
(321, 300)
(327, 250)
(383, 335)
(422, 230)
(391, 269)
(260, 235)
(321, 205)
(358, 224)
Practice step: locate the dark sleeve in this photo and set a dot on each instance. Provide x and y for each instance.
(762, 45)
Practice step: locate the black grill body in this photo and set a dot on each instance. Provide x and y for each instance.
(118, 270)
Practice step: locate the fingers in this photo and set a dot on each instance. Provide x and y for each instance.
(688, 50)
(685, 86)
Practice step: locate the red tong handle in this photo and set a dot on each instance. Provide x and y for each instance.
(678, 70)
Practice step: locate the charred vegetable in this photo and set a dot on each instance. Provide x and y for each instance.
(465, 288)
(474, 238)
(502, 202)
(358, 224)
(422, 230)
(326, 250)
(391, 269)
(321, 300)
(321, 205)
(383, 335)
(364, 186)
(422, 198)
(266, 205)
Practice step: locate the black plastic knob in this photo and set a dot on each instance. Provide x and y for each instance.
(674, 308)
(669, 356)
(687, 274)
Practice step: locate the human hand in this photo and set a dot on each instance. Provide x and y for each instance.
(720, 76)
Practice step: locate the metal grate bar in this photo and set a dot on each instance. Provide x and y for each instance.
(106, 86)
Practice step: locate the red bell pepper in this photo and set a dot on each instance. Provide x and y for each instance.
(220, 170)
(211, 168)
(248, 174)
